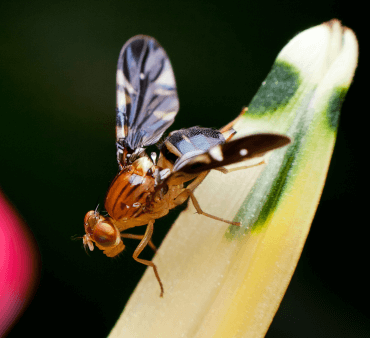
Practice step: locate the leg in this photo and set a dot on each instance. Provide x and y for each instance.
(200, 211)
(189, 192)
(150, 243)
(226, 171)
(232, 123)
(184, 195)
(144, 242)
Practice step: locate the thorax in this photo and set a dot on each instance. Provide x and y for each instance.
(133, 197)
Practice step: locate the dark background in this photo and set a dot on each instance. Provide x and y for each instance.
(57, 73)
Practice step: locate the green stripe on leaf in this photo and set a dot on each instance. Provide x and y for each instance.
(276, 91)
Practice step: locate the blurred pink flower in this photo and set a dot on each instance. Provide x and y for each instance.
(19, 266)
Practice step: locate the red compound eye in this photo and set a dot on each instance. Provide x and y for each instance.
(100, 230)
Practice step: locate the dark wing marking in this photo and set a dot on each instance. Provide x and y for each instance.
(238, 150)
(147, 99)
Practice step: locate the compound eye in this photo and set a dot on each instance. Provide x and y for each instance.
(106, 234)
(90, 221)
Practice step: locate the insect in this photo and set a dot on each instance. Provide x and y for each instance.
(146, 186)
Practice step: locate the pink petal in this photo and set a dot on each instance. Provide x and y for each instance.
(19, 265)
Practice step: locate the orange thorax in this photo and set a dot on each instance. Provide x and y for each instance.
(129, 194)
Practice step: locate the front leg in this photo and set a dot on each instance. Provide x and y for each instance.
(143, 243)
(132, 236)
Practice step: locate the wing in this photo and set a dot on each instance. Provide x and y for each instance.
(238, 150)
(184, 144)
(147, 99)
(193, 141)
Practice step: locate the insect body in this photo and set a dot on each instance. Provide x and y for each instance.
(146, 188)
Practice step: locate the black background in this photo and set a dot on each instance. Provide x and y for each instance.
(57, 73)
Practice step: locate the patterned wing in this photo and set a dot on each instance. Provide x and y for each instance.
(147, 99)
(234, 151)
(190, 142)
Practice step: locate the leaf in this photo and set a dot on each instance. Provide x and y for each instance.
(229, 282)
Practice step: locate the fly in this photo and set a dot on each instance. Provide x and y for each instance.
(146, 186)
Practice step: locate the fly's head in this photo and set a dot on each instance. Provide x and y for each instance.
(101, 231)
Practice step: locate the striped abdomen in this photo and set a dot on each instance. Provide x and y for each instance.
(128, 194)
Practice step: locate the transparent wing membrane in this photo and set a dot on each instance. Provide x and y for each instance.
(194, 140)
(147, 99)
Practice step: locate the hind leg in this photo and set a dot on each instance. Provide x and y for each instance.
(227, 171)
(188, 192)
